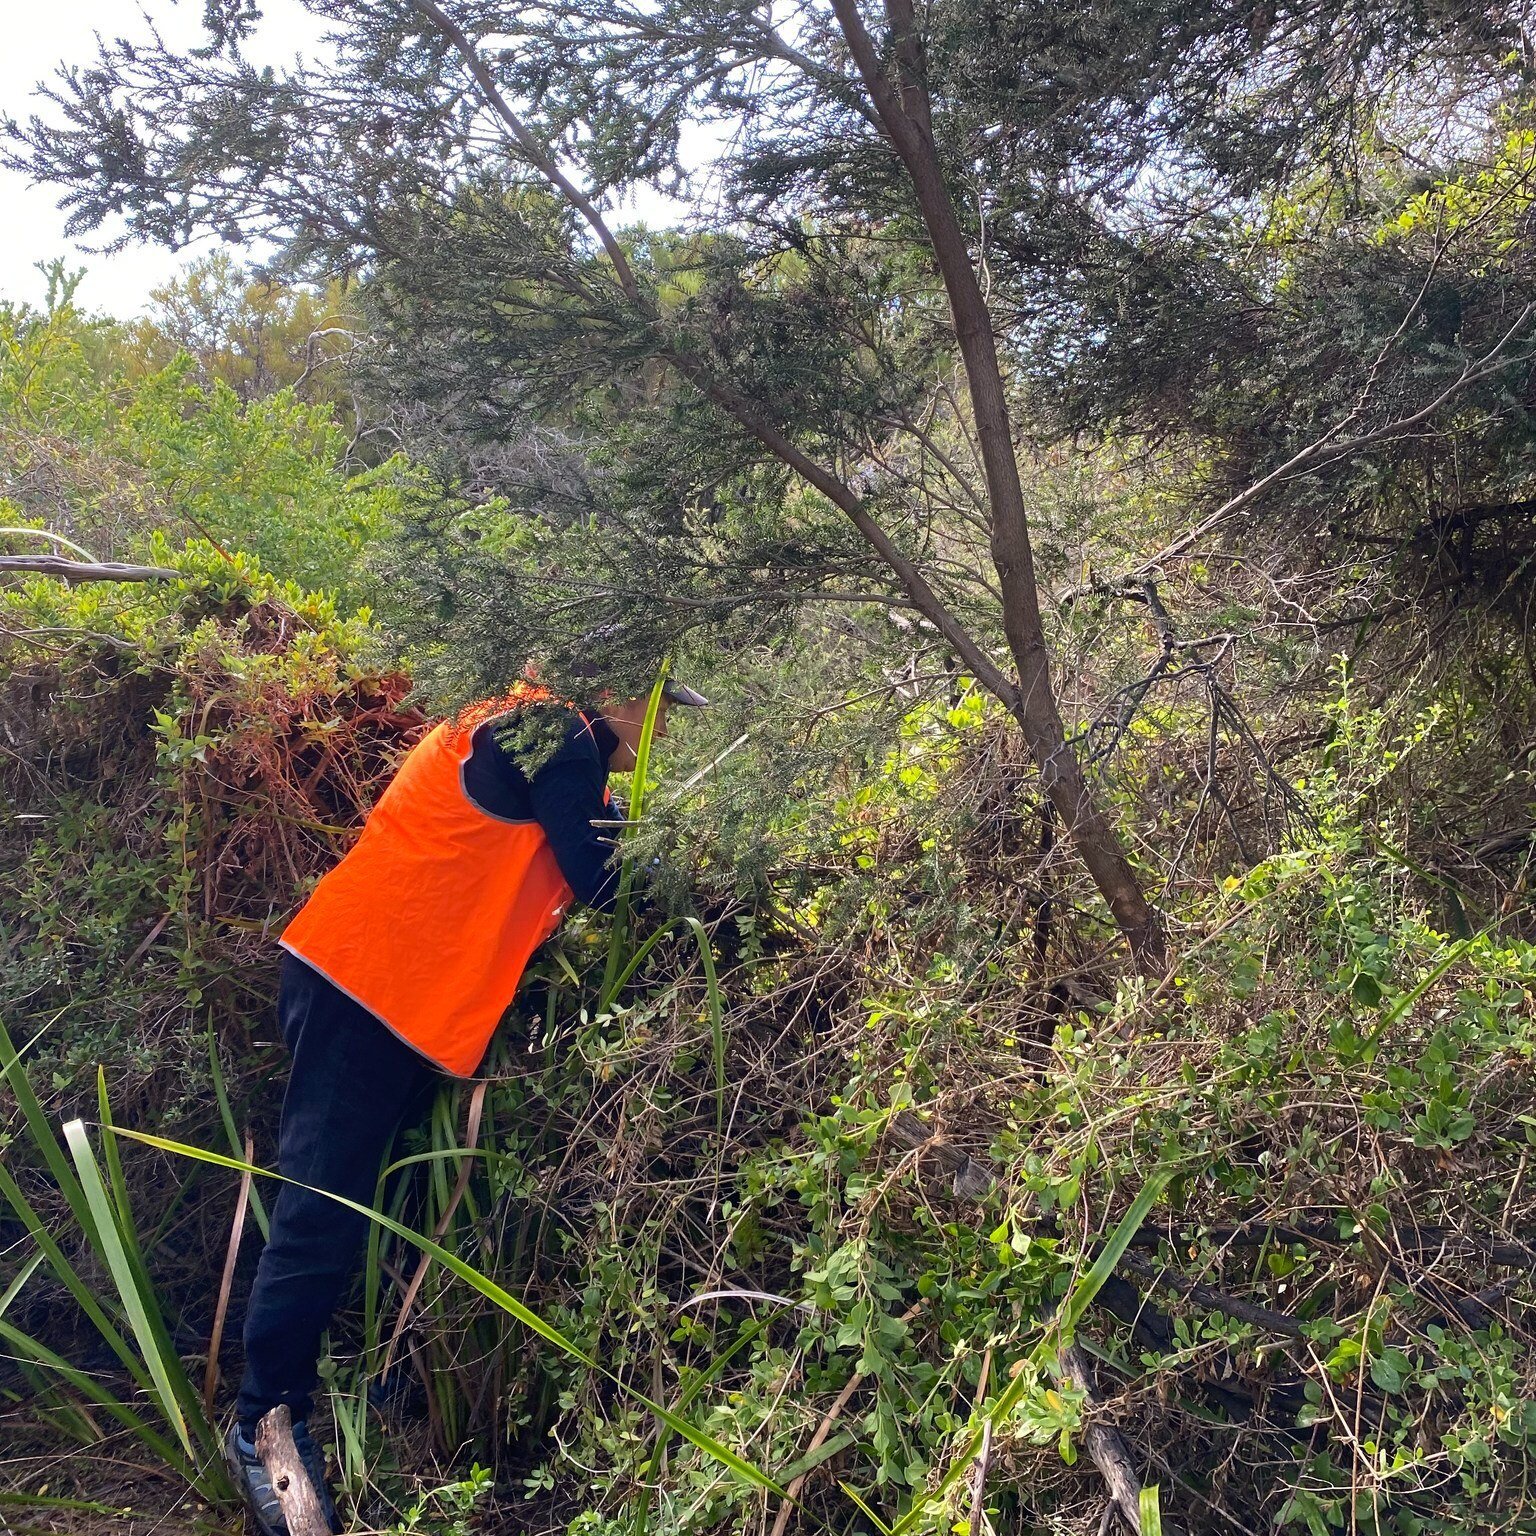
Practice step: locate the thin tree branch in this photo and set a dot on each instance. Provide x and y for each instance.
(1318, 454)
(542, 161)
(924, 598)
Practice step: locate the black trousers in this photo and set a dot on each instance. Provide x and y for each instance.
(350, 1086)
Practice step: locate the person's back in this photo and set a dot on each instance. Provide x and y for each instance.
(458, 876)
(399, 966)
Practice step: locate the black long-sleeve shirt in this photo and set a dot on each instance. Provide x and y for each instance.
(564, 795)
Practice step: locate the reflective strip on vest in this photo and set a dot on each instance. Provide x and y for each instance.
(432, 917)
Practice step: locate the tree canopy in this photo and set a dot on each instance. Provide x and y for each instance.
(1287, 238)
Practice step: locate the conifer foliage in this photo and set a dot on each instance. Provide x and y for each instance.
(811, 394)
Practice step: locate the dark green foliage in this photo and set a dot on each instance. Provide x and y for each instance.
(1255, 232)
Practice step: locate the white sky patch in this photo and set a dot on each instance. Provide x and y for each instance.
(39, 38)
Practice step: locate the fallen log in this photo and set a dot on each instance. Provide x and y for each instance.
(290, 1478)
(1107, 1447)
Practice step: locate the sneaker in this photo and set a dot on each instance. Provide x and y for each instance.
(255, 1487)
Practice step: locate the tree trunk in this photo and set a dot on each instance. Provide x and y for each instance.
(904, 114)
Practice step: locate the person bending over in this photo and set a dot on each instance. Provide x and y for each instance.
(398, 968)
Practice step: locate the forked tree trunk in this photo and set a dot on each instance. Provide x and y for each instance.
(902, 110)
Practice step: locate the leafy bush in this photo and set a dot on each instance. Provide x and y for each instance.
(110, 459)
(930, 1128)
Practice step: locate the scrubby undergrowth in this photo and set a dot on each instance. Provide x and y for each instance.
(939, 1102)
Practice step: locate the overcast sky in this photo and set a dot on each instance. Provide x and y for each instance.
(38, 36)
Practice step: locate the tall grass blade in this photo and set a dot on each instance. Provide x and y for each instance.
(461, 1185)
(1081, 1296)
(43, 1137)
(1391, 1015)
(619, 934)
(46, 1143)
(868, 1513)
(107, 1241)
(685, 1400)
(66, 1273)
(188, 1399)
(1151, 1511)
(492, 1292)
(18, 1284)
(31, 1349)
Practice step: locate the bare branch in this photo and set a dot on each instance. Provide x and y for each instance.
(83, 570)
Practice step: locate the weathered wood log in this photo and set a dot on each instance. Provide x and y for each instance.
(972, 1179)
(1106, 1446)
(84, 570)
(290, 1478)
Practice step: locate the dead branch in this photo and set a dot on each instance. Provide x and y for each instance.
(1111, 1455)
(290, 1480)
(82, 570)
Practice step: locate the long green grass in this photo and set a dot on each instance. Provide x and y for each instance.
(486, 1287)
(1058, 1333)
(618, 937)
(619, 968)
(163, 1410)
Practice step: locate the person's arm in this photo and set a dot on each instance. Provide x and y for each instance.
(567, 797)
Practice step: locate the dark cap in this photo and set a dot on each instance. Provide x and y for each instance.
(681, 693)
(592, 667)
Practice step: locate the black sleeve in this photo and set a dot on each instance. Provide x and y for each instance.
(567, 797)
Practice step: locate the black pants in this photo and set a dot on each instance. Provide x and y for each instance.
(350, 1086)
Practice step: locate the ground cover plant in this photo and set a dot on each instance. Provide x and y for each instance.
(843, 1268)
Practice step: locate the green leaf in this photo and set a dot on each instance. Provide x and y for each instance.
(1365, 990)
(107, 1241)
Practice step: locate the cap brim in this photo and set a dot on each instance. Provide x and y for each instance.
(680, 693)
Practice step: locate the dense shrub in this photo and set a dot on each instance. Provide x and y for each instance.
(99, 449)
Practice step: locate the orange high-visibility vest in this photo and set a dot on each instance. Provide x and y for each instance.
(432, 917)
